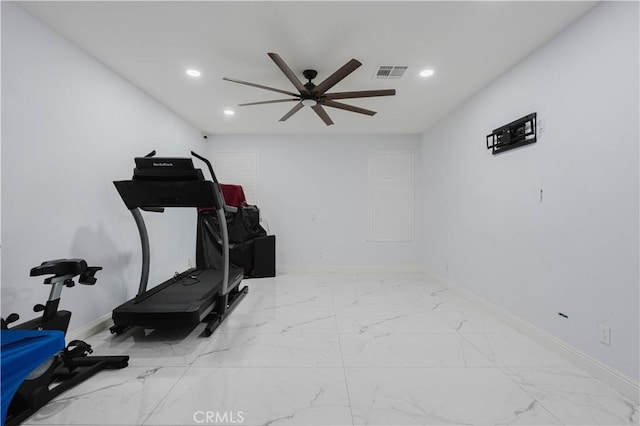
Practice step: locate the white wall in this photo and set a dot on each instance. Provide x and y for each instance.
(576, 252)
(312, 190)
(70, 127)
(0, 152)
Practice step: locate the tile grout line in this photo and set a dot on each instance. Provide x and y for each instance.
(344, 369)
(187, 367)
(534, 398)
(501, 369)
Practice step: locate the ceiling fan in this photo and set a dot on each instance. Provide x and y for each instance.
(316, 96)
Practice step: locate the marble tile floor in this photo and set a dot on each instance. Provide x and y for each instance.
(340, 349)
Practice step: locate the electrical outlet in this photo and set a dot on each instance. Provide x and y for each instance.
(605, 334)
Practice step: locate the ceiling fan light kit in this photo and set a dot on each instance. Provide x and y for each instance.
(314, 96)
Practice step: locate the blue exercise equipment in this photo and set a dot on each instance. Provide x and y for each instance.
(22, 352)
(36, 365)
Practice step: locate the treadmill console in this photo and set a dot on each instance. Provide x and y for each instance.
(167, 182)
(165, 169)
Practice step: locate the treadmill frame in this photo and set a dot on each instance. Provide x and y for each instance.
(224, 302)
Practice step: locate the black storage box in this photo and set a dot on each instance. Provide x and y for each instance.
(264, 257)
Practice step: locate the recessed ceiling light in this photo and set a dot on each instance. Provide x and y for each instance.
(193, 73)
(426, 73)
(229, 112)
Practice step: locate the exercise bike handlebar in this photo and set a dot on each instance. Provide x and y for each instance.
(67, 269)
(88, 276)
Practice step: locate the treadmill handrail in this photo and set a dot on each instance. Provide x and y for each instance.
(223, 203)
(222, 220)
(144, 241)
(208, 163)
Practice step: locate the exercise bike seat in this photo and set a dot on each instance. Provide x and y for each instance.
(60, 267)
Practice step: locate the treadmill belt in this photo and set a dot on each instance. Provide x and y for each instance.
(184, 299)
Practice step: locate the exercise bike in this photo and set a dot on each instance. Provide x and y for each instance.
(62, 369)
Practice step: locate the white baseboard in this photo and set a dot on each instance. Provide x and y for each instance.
(94, 327)
(616, 380)
(306, 269)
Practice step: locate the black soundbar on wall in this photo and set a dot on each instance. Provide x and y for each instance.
(518, 133)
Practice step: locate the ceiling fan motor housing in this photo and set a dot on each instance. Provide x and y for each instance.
(310, 74)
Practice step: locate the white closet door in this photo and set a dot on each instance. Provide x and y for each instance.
(390, 191)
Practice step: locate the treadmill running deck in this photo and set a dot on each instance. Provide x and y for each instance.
(183, 300)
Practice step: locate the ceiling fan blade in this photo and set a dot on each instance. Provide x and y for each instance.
(322, 114)
(334, 78)
(346, 107)
(259, 86)
(360, 94)
(269, 102)
(292, 111)
(287, 71)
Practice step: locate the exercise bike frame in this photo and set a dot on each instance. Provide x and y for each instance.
(52, 318)
(69, 367)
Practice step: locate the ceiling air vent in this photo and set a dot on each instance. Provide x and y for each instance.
(386, 72)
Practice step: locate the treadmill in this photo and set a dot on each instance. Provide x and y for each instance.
(197, 294)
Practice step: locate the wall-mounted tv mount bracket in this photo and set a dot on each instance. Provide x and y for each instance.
(513, 135)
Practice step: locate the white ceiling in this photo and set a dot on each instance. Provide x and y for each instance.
(152, 43)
